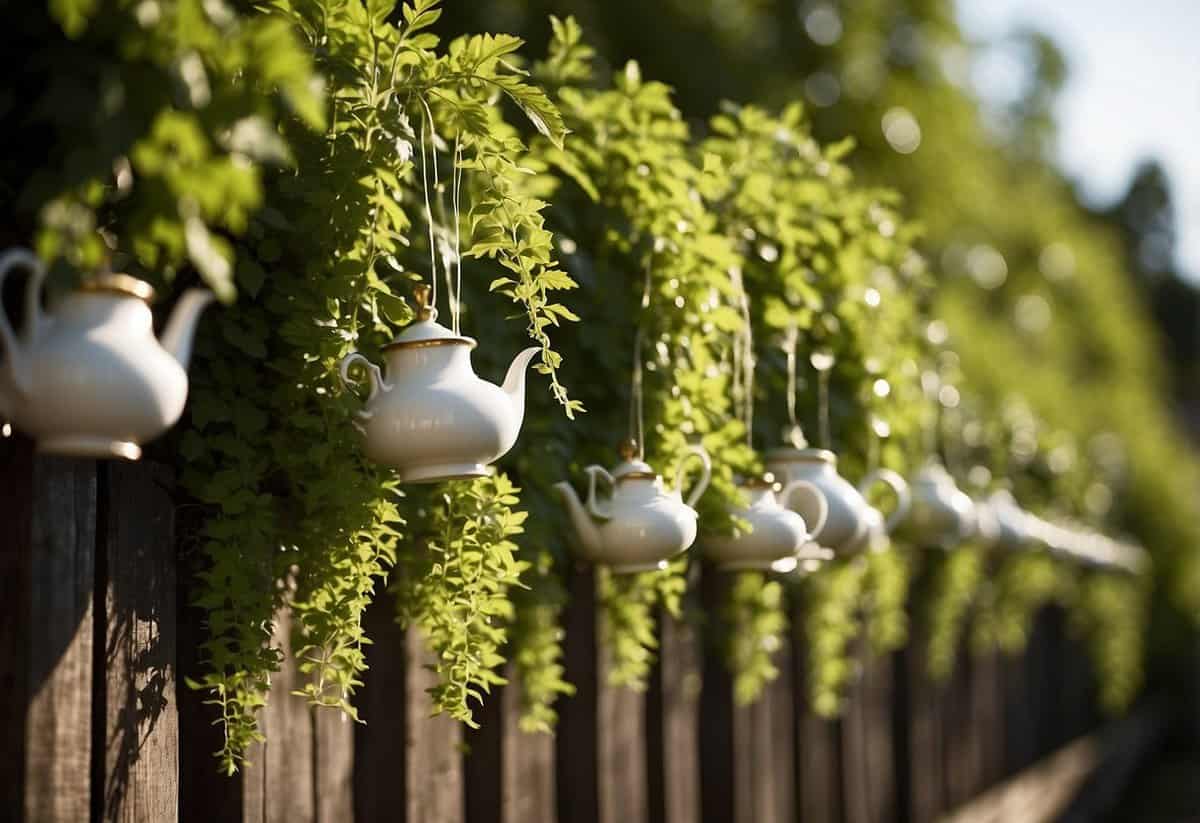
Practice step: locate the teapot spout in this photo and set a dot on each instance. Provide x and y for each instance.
(514, 387)
(584, 527)
(181, 328)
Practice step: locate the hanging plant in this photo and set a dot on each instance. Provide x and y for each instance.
(830, 598)
(885, 599)
(755, 623)
(951, 580)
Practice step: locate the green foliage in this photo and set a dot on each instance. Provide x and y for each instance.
(885, 599)
(535, 638)
(627, 604)
(456, 589)
(1020, 586)
(951, 582)
(829, 598)
(1112, 615)
(755, 625)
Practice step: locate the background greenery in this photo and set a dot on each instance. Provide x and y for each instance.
(669, 177)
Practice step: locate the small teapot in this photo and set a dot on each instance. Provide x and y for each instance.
(643, 524)
(89, 379)
(430, 417)
(878, 525)
(942, 514)
(1003, 523)
(849, 522)
(776, 533)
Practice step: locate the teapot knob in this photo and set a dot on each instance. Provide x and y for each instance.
(629, 449)
(425, 311)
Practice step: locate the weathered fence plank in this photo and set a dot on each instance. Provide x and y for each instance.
(601, 751)
(673, 721)
(380, 742)
(141, 748)
(818, 794)
(279, 777)
(59, 724)
(333, 765)
(867, 756)
(918, 707)
(433, 771)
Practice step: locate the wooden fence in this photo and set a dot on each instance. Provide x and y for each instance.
(96, 637)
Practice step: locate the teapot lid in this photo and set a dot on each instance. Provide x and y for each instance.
(632, 467)
(758, 482)
(117, 283)
(791, 454)
(426, 331)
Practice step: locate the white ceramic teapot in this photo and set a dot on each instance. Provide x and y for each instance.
(879, 525)
(89, 379)
(429, 416)
(1002, 522)
(849, 522)
(942, 514)
(643, 524)
(776, 533)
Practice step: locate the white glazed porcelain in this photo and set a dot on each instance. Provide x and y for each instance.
(878, 525)
(642, 524)
(1002, 523)
(849, 526)
(89, 379)
(942, 514)
(427, 414)
(776, 533)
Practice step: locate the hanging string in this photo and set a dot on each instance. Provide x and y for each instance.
(823, 403)
(637, 422)
(456, 190)
(790, 341)
(744, 356)
(425, 191)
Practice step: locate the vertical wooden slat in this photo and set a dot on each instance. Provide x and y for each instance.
(142, 730)
(58, 725)
(776, 724)
(16, 512)
(576, 763)
(380, 750)
(673, 724)
(621, 745)
(921, 712)
(867, 755)
(987, 717)
(333, 765)
(527, 772)
(433, 763)
(279, 779)
(818, 796)
(718, 737)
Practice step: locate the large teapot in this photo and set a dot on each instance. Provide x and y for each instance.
(1002, 522)
(429, 416)
(776, 533)
(89, 378)
(643, 523)
(942, 514)
(850, 524)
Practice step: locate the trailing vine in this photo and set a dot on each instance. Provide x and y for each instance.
(756, 625)
(830, 598)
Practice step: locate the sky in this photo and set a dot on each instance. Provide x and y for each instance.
(1133, 92)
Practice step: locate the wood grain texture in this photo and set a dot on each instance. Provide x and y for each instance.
(527, 764)
(433, 772)
(380, 747)
(673, 724)
(867, 765)
(577, 750)
(620, 746)
(921, 712)
(777, 725)
(279, 777)
(818, 794)
(58, 725)
(333, 765)
(16, 513)
(141, 762)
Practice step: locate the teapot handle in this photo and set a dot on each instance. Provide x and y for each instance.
(593, 504)
(374, 379)
(13, 259)
(705, 473)
(817, 495)
(899, 486)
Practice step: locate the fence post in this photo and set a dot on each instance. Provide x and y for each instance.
(818, 794)
(48, 517)
(867, 770)
(136, 574)
(673, 724)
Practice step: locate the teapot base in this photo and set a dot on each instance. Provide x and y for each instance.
(749, 565)
(635, 568)
(102, 448)
(444, 471)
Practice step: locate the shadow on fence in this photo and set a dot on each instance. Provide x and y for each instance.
(96, 637)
